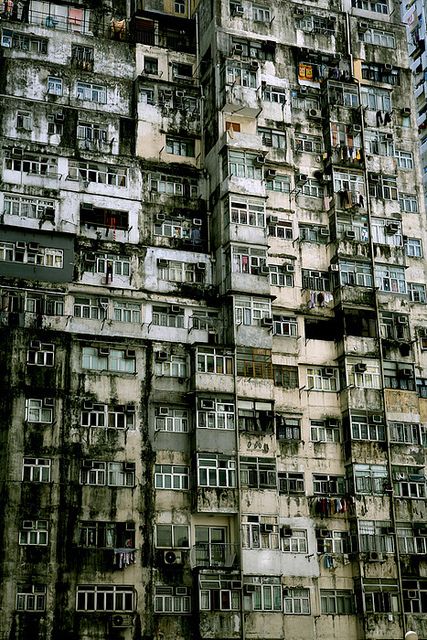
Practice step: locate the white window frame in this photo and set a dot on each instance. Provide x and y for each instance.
(54, 86)
(174, 367)
(172, 477)
(175, 421)
(296, 601)
(405, 159)
(177, 538)
(36, 469)
(107, 417)
(36, 411)
(44, 356)
(168, 600)
(296, 543)
(317, 381)
(34, 533)
(116, 361)
(105, 598)
(413, 248)
(91, 92)
(216, 471)
(31, 598)
(221, 416)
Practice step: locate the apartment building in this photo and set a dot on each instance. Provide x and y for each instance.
(213, 325)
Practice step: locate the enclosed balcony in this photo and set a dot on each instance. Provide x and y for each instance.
(214, 555)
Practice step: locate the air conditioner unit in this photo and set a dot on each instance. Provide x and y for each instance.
(335, 267)
(35, 344)
(27, 524)
(285, 532)
(328, 372)
(160, 217)
(314, 113)
(301, 178)
(130, 353)
(324, 533)
(237, 49)
(290, 268)
(87, 464)
(406, 111)
(422, 332)
(391, 228)
(271, 173)
(172, 557)
(260, 160)
(6, 41)
(388, 67)
(357, 128)
(88, 404)
(267, 528)
(20, 245)
(360, 367)
(175, 308)
(363, 26)
(103, 351)
(161, 356)
(350, 235)
(163, 411)
(103, 302)
(405, 373)
(236, 584)
(238, 10)
(161, 262)
(121, 621)
(48, 402)
(272, 219)
(264, 269)
(207, 404)
(299, 12)
(180, 94)
(377, 418)
(129, 466)
(201, 266)
(197, 222)
(267, 322)
(324, 231)
(250, 588)
(402, 320)
(375, 556)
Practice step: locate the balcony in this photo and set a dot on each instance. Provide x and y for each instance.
(214, 555)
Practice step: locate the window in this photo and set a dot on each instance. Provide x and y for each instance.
(379, 38)
(295, 543)
(24, 121)
(335, 602)
(332, 541)
(291, 483)
(175, 366)
(417, 292)
(112, 474)
(370, 479)
(365, 427)
(280, 230)
(366, 375)
(36, 208)
(308, 143)
(242, 164)
(239, 73)
(173, 185)
(356, 274)
(286, 376)
(251, 311)
(41, 354)
(217, 593)
(322, 378)
(146, 95)
(204, 320)
(104, 598)
(172, 599)
(215, 470)
(390, 279)
(248, 259)
(91, 132)
(408, 203)
(38, 410)
(313, 233)
(95, 217)
(415, 595)
(168, 317)
(33, 532)
(380, 73)
(255, 416)
(312, 188)
(398, 376)
(175, 477)
(249, 212)
(343, 95)
(106, 359)
(214, 360)
(405, 159)
(91, 92)
(316, 280)
(261, 13)
(90, 308)
(278, 183)
(405, 432)
(407, 541)
(103, 174)
(409, 482)
(265, 592)
(172, 536)
(32, 598)
(151, 66)
(327, 484)
(36, 470)
(274, 94)
(254, 363)
(288, 428)
(179, 6)
(381, 595)
(325, 430)
(351, 189)
(384, 232)
(127, 312)
(285, 326)
(54, 86)
(171, 419)
(33, 255)
(281, 275)
(180, 146)
(258, 473)
(379, 143)
(82, 57)
(383, 187)
(107, 416)
(297, 601)
(260, 532)
(181, 271)
(271, 138)
(215, 413)
(23, 42)
(107, 535)
(182, 71)
(413, 248)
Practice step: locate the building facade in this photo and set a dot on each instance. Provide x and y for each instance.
(213, 325)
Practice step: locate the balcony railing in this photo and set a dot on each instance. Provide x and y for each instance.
(215, 554)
